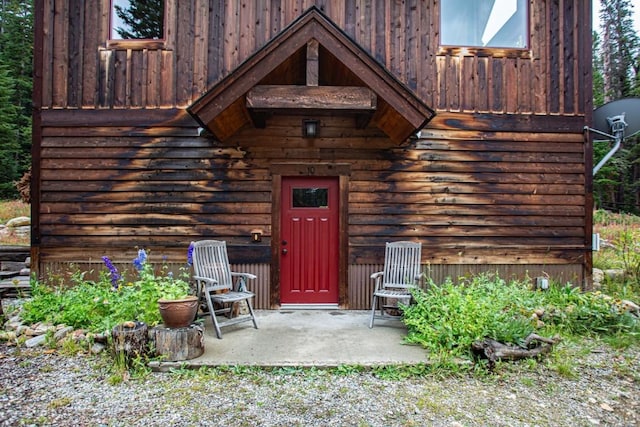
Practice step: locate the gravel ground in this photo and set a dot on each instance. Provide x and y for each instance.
(45, 388)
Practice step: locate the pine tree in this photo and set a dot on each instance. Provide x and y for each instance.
(9, 135)
(615, 76)
(16, 47)
(619, 48)
(143, 19)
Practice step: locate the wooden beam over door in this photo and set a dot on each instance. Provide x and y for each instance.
(350, 98)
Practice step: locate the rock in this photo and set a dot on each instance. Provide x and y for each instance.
(25, 272)
(62, 333)
(630, 306)
(22, 231)
(13, 325)
(21, 221)
(598, 276)
(39, 330)
(79, 335)
(606, 407)
(101, 338)
(36, 341)
(97, 348)
(614, 273)
(12, 266)
(7, 336)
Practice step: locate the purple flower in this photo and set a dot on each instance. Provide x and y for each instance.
(190, 254)
(139, 261)
(113, 272)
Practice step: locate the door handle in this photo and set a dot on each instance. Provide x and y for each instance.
(284, 251)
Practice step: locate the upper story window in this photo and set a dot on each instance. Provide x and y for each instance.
(137, 20)
(484, 23)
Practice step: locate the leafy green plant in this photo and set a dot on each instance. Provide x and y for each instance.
(452, 316)
(99, 306)
(447, 318)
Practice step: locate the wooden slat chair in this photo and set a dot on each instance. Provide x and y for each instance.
(214, 280)
(401, 273)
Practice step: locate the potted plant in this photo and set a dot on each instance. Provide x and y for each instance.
(160, 297)
(177, 306)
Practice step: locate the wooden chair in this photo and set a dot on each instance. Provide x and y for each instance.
(214, 280)
(401, 273)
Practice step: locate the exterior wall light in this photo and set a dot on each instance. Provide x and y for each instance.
(310, 128)
(256, 236)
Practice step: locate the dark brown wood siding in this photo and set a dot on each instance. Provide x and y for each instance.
(498, 180)
(473, 194)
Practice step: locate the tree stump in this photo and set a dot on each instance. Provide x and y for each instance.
(175, 344)
(534, 346)
(130, 339)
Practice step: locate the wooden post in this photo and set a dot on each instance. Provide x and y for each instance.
(175, 344)
(130, 339)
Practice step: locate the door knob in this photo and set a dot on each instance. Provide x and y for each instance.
(284, 252)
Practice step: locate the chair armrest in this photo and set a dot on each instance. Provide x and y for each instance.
(241, 283)
(245, 275)
(207, 280)
(377, 274)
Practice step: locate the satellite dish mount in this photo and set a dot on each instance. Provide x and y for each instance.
(610, 121)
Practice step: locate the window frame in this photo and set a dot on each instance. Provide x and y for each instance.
(493, 51)
(136, 43)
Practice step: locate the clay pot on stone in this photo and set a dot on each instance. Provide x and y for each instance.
(178, 313)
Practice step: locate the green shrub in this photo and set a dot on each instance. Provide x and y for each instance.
(447, 318)
(451, 317)
(99, 306)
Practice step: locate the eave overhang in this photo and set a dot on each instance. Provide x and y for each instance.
(311, 67)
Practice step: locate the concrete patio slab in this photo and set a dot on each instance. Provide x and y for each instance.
(321, 338)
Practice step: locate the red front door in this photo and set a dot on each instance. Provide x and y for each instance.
(309, 246)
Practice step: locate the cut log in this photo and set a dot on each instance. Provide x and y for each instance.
(130, 339)
(534, 345)
(175, 344)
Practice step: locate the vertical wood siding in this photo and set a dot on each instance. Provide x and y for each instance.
(361, 286)
(206, 40)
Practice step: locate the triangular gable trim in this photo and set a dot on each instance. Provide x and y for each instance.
(222, 111)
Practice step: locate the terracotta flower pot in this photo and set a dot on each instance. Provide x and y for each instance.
(179, 313)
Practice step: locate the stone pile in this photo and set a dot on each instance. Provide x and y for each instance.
(20, 226)
(42, 334)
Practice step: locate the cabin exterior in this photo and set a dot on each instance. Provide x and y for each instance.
(307, 133)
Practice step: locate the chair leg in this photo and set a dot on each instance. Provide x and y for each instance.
(253, 316)
(212, 311)
(373, 310)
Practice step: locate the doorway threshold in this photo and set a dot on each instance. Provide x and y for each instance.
(309, 306)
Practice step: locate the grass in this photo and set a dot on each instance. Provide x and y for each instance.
(12, 209)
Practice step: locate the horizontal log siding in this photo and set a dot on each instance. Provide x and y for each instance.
(208, 39)
(471, 197)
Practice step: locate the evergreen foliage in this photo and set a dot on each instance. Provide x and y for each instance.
(16, 76)
(616, 65)
(143, 19)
